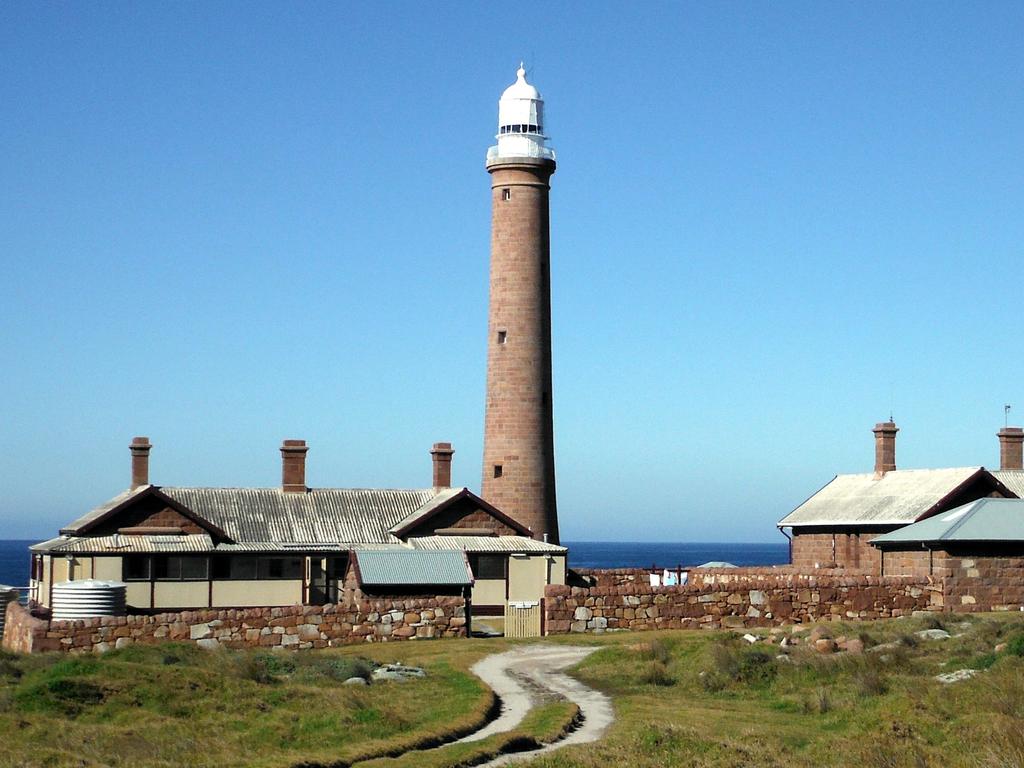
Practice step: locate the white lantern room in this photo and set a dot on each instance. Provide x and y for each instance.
(521, 122)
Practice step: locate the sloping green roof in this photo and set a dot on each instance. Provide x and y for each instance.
(412, 568)
(982, 520)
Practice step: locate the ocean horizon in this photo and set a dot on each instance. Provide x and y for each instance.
(14, 555)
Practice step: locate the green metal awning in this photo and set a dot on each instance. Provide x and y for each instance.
(412, 568)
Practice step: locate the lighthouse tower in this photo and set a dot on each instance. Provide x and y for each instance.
(519, 453)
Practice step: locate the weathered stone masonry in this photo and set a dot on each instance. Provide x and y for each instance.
(734, 601)
(294, 627)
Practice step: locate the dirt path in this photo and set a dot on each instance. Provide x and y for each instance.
(532, 674)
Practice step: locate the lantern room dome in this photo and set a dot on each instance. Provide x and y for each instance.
(521, 89)
(521, 122)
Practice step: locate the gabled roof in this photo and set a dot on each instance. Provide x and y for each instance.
(896, 498)
(127, 498)
(411, 568)
(442, 502)
(1012, 479)
(984, 520)
(320, 516)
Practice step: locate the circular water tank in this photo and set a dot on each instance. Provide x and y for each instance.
(87, 599)
(7, 595)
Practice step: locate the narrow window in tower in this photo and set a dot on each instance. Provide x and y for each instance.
(506, 194)
(497, 470)
(502, 335)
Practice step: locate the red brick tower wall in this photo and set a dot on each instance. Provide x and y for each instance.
(519, 454)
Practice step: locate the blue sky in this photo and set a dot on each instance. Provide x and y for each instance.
(772, 224)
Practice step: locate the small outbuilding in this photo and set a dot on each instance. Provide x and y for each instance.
(977, 549)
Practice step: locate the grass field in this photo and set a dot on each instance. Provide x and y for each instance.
(681, 698)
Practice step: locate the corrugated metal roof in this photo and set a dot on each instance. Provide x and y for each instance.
(126, 544)
(104, 508)
(327, 515)
(485, 544)
(1013, 479)
(424, 511)
(411, 567)
(322, 515)
(982, 520)
(896, 498)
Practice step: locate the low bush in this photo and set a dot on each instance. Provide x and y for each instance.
(658, 650)
(757, 668)
(263, 668)
(819, 703)
(656, 673)
(984, 661)
(1015, 645)
(339, 668)
(869, 678)
(66, 696)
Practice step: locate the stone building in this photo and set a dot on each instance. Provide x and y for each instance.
(977, 548)
(834, 527)
(191, 548)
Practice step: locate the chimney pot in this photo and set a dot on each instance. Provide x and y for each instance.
(441, 454)
(885, 447)
(140, 461)
(1011, 448)
(293, 466)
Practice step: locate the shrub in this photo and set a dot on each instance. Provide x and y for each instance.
(63, 695)
(339, 668)
(712, 681)
(757, 668)
(724, 661)
(263, 668)
(820, 703)
(984, 661)
(9, 666)
(658, 650)
(1015, 645)
(656, 673)
(869, 679)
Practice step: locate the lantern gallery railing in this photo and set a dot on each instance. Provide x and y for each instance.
(527, 149)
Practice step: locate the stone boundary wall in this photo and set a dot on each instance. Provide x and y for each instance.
(621, 577)
(984, 583)
(298, 627)
(767, 599)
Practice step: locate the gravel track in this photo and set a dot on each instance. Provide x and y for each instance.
(530, 675)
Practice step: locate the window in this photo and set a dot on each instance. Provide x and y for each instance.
(175, 568)
(498, 470)
(502, 337)
(279, 568)
(251, 568)
(506, 194)
(488, 566)
(135, 568)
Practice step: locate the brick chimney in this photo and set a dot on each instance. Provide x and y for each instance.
(442, 453)
(140, 461)
(885, 447)
(293, 466)
(1011, 448)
